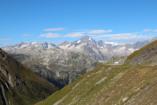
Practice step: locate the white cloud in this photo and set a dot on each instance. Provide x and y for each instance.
(124, 36)
(107, 35)
(50, 35)
(53, 29)
(89, 33)
(100, 31)
(117, 36)
(75, 34)
(150, 30)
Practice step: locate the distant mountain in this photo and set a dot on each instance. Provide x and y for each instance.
(60, 64)
(87, 46)
(101, 50)
(19, 85)
(133, 83)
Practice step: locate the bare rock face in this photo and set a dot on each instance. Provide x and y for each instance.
(19, 85)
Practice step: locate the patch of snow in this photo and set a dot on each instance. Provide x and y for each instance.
(90, 39)
(24, 45)
(116, 62)
(34, 42)
(78, 41)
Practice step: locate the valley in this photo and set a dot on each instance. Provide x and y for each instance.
(78, 77)
(63, 63)
(78, 52)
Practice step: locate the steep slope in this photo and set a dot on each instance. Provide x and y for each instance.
(146, 56)
(18, 85)
(110, 85)
(114, 84)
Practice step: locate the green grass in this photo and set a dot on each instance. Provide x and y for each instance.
(122, 84)
(87, 87)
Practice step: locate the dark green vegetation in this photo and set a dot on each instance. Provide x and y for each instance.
(134, 83)
(18, 85)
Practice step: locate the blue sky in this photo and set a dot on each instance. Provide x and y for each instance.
(59, 20)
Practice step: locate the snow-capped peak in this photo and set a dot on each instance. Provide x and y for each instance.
(78, 41)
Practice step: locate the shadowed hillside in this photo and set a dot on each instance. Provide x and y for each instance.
(18, 85)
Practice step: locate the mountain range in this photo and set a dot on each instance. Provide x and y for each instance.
(61, 64)
(89, 72)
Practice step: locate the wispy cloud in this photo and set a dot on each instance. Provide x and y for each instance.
(127, 37)
(150, 30)
(104, 34)
(50, 35)
(123, 36)
(75, 34)
(53, 33)
(99, 31)
(91, 33)
(53, 29)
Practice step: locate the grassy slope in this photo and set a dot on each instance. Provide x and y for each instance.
(106, 85)
(145, 55)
